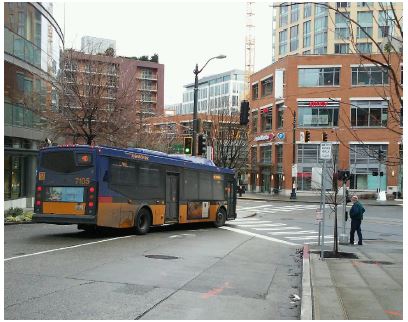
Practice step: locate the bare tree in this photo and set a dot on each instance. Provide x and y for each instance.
(90, 104)
(229, 140)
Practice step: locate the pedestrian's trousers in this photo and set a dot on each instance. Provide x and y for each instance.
(355, 226)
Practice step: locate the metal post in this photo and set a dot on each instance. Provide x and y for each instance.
(379, 170)
(323, 210)
(344, 237)
(195, 123)
(293, 193)
(320, 207)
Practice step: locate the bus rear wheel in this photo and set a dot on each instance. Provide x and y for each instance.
(220, 218)
(143, 222)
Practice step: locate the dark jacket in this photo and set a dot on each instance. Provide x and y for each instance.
(357, 211)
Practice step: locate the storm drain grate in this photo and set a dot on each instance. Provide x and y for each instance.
(377, 262)
(161, 257)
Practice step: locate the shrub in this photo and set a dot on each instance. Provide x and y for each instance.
(14, 212)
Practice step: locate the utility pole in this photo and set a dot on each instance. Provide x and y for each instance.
(293, 193)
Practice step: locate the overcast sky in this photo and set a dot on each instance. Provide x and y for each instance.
(181, 33)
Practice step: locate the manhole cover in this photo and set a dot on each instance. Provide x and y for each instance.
(161, 257)
(377, 262)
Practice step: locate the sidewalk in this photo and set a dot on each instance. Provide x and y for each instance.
(367, 287)
(315, 198)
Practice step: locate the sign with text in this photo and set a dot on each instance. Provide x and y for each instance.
(325, 150)
(294, 170)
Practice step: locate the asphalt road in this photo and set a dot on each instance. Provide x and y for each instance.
(248, 269)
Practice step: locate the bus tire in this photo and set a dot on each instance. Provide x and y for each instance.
(220, 218)
(143, 221)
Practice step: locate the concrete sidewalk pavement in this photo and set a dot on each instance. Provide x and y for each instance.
(368, 287)
(312, 198)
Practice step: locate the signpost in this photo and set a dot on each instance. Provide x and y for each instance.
(325, 154)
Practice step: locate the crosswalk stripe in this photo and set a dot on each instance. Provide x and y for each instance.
(263, 225)
(246, 219)
(307, 237)
(275, 209)
(247, 208)
(251, 223)
(277, 229)
(303, 232)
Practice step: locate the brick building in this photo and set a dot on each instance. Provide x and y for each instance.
(353, 102)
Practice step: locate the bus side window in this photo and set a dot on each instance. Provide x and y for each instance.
(106, 176)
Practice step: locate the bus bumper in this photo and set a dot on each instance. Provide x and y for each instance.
(64, 219)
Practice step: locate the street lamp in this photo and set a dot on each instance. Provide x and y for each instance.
(195, 121)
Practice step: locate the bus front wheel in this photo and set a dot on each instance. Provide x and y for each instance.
(143, 222)
(220, 218)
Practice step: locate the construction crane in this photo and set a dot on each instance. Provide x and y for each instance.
(249, 47)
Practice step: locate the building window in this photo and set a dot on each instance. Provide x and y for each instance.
(266, 119)
(363, 162)
(369, 113)
(385, 23)
(341, 48)
(307, 9)
(254, 121)
(320, 37)
(365, 20)
(401, 122)
(372, 75)
(318, 113)
(311, 77)
(342, 4)
(363, 4)
(266, 154)
(307, 52)
(342, 26)
(283, 42)
(364, 48)
(283, 18)
(294, 13)
(306, 34)
(279, 117)
(255, 91)
(266, 86)
(294, 40)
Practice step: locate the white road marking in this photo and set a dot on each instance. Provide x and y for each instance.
(308, 237)
(277, 229)
(252, 223)
(263, 225)
(69, 247)
(303, 232)
(244, 232)
(247, 208)
(275, 209)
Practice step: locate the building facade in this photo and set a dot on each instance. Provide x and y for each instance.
(220, 92)
(142, 80)
(353, 103)
(307, 28)
(33, 41)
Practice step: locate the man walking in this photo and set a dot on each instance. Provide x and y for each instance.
(356, 215)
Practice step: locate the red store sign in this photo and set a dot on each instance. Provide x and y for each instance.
(318, 104)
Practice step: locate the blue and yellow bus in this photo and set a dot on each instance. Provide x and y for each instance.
(99, 186)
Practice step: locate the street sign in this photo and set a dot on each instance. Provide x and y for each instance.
(325, 151)
(319, 215)
(294, 170)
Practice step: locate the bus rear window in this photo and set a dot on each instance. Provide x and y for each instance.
(64, 161)
(65, 194)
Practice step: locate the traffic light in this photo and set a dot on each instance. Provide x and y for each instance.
(375, 173)
(324, 137)
(188, 145)
(343, 175)
(244, 113)
(202, 144)
(307, 136)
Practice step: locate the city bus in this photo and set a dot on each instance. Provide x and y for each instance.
(100, 186)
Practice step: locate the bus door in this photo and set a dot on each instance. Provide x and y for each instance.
(232, 199)
(172, 198)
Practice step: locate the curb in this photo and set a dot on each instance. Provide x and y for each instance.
(306, 306)
(19, 223)
(315, 201)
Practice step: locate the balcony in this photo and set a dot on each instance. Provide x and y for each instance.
(147, 77)
(148, 88)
